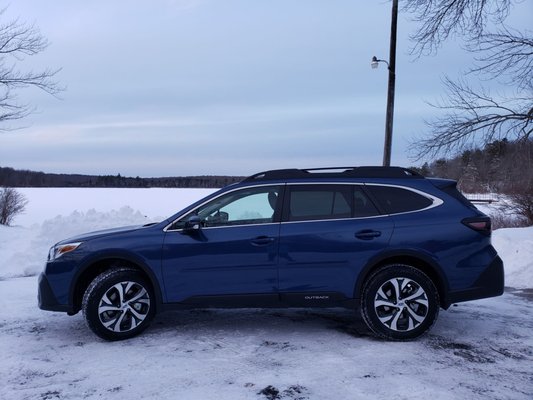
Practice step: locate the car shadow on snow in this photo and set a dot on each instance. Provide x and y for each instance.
(265, 322)
(254, 321)
(73, 331)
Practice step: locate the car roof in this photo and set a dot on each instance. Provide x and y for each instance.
(334, 173)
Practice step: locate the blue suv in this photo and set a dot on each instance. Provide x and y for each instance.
(385, 241)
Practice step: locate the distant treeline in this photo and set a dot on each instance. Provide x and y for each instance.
(10, 177)
(501, 166)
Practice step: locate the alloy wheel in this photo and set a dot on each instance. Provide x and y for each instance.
(124, 306)
(401, 304)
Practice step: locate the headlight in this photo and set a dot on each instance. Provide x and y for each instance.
(59, 249)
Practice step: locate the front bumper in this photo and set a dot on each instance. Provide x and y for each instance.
(46, 298)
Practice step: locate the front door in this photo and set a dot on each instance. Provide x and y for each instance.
(234, 251)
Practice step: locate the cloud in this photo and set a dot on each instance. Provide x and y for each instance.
(210, 86)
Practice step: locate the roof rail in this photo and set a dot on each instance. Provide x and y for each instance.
(335, 172)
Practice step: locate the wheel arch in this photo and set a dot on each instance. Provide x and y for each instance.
(94, 267)
(422, 262)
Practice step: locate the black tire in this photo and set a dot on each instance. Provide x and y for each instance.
(118, 304)
(399, 302)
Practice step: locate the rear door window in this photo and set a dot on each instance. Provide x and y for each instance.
(317, 202)
(323, 202)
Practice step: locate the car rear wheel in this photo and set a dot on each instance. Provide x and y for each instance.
(118, 304)
(399, 302)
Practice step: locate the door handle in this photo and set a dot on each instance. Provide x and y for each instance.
(262, 240)
(367, 234)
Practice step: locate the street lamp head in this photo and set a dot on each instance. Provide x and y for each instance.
(375, 62)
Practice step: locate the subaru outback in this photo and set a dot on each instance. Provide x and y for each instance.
(385, 241)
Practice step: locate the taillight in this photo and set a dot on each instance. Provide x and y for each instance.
(479, 224)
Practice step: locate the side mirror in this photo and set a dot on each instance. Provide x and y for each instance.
(193, 224)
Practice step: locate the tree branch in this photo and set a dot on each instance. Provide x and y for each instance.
(17, 41)
(472, 117)
(441, 19)
(507, 54)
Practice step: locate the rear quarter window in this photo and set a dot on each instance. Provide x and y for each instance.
(456, 194)
(394, 200)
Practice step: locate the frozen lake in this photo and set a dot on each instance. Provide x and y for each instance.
(47, 203)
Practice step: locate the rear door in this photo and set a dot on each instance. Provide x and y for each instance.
(328, 233)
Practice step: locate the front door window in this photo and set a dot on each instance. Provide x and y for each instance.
(248, 206)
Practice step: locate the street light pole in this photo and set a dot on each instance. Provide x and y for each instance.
(392, 81)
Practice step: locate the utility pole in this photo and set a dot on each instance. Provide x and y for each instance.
(392, 82)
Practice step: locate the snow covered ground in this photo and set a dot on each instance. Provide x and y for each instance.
(477, 350)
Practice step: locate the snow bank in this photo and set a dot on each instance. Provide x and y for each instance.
(515, 247)
(23, 251)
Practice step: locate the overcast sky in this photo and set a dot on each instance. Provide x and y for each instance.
(187, 87)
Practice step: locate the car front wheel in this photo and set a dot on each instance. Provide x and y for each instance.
(118, 304)
(399, 302)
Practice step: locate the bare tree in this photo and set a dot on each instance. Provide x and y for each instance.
(506, 55)
(473, 115)
(442, 19)
(12, 203)
(17, 41)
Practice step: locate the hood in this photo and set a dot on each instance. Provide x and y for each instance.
(98, 234)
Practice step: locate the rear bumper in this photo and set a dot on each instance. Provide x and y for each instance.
(489, 284)
(46, 298)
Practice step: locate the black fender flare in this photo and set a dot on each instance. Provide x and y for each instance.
(116, 254)
(396, 255)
